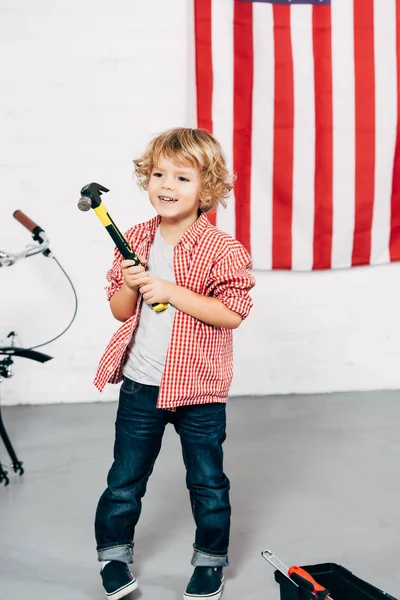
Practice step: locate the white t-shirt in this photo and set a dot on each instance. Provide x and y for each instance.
(149, 345)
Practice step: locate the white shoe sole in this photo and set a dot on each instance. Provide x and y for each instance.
(124, 591)
(214, 596)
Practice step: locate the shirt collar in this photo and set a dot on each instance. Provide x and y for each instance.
(188, 239)
(191, 236)
(151, 228)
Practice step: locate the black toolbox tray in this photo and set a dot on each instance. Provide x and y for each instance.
(340, 582)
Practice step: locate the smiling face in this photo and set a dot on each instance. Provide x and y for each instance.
(174, 191)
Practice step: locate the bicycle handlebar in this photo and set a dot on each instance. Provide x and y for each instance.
(25, 221)
(9, 258)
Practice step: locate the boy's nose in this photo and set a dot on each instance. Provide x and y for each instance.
(168, 184)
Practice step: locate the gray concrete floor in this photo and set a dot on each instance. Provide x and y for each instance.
(314, 478)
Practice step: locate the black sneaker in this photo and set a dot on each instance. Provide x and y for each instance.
(206, 582)
(118, 581)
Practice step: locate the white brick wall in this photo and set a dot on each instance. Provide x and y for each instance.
(83, 87)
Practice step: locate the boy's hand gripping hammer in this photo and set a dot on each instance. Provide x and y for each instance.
(299, 576)
(91, 198)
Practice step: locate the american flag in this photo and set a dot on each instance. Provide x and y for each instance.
(305, 98)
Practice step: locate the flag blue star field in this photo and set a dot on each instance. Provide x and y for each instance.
(304, 97)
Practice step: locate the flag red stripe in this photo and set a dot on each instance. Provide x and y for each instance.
(282, 184)
(365, 129)
(323, 219)
(204, 69)
(395, 202)
(242, 116)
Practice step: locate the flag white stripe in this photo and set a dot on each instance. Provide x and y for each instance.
(385, 125)
(343, 132)
(304, 138)
(262, 137)
(222, 106)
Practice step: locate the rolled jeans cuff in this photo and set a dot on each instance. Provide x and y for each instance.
(202, 559)
(123, 553)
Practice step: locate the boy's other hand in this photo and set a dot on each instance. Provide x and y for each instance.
(134, 276)
(156, 291)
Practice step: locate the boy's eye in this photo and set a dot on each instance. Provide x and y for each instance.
(183, 179)
(157, 174)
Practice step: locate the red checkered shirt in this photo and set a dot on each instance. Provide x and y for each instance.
(199, 362)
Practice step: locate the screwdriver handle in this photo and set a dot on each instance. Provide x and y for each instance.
(307, 582)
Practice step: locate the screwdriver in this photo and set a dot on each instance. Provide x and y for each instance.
(299, 576)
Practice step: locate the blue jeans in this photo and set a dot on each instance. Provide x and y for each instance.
(139, 429)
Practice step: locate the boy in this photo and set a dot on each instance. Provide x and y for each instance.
(176, 365)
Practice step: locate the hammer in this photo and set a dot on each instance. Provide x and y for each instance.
(91, 198)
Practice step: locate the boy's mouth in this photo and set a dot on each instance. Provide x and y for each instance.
(167, 199)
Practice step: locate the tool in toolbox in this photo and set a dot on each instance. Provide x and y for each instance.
(298, 576)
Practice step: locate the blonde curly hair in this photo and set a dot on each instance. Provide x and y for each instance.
(194, 147)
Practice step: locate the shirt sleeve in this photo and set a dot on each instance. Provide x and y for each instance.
(230, 281)
(114, 275)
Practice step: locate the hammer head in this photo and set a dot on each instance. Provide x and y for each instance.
(91, 196)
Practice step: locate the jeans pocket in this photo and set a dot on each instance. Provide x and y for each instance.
(130, 387)
(129, 394)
